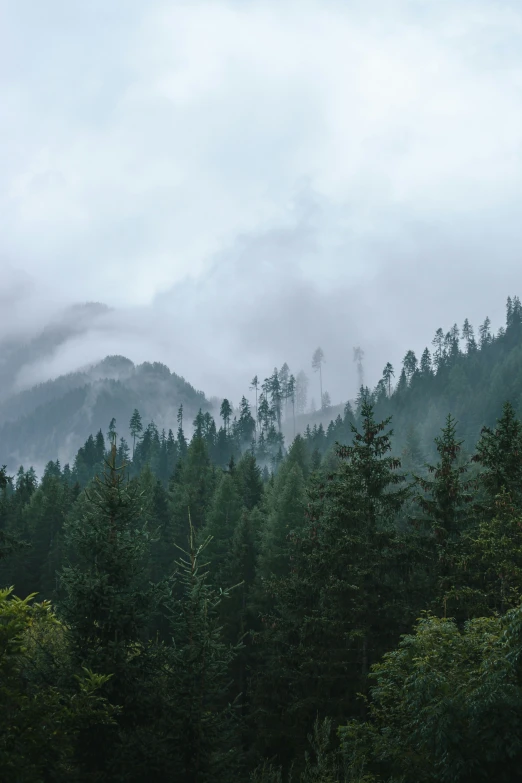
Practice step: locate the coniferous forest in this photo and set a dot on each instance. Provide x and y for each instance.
(229, 607)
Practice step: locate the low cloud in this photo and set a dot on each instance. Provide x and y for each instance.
(244, 181)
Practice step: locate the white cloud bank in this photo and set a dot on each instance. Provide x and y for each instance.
(245, 180)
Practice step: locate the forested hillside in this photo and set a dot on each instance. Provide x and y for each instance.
(341, 607)
(55, 417)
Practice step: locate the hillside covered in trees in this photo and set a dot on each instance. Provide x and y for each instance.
(55, 417)
(234, 605)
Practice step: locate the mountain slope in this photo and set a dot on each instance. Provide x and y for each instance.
(466, 377)
(53, 419)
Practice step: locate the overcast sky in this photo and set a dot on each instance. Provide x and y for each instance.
(243, 180)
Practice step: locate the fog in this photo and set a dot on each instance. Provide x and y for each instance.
(242, 182)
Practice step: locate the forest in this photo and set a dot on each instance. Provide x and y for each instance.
(240, 607)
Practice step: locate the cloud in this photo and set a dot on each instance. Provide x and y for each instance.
(244, 181)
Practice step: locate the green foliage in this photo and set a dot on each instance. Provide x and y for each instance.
(201, 718)
(41, 716)
(446, 705)
(332, 558)
(108, 606)
(222, 520)
(444, 503)
(499, 453)
(341, 597)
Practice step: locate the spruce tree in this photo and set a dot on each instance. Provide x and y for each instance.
(443, 497)
(225, 412)
(499, 453)
(248, 481)
(136, 428)
(198, 714)
(222, 519)
(387, 375)
(108, 605)
(181, 440)
(343, 596)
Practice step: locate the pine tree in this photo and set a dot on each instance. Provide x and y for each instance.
(291, 394)
(99, 448)
(410, 365)
(111, 433)
(469, 336)
(200, 721)
(438, 343)
(136, 428)
(123, 452)
(191, 489)
(342, 598)
(246, 425)
(485, 333)
(248, 481)
(425, 364)
(387, 374)
(499, 453)
(273, 390)
(10, 540)
(284, 377)
(108, 607)
(444, 505)
(222, 519)
(181, 440)
(225, 413)
(286, 516)
(264, 413)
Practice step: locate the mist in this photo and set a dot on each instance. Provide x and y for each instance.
(240, 183)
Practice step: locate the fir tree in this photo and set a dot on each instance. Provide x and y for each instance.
(199, 717)
(111, 433)
(225, 413)
(443, 501)
(333, 608)
(136, 428)
(499, 453)
(108, 607)
(387, 374)
(425, 364)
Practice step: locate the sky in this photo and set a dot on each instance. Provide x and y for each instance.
(244, 180)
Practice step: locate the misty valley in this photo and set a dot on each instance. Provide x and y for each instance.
(269, 591)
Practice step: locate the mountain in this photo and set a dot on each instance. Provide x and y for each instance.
(53, 419)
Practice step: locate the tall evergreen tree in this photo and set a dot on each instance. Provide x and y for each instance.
(135, 427)
(387, 374)
(108, 606)
(443, 497)
(225, 413)
(200, 720)
(499, 453)
(338, 606)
